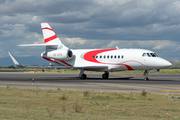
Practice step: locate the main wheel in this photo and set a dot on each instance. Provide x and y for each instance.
(146, 78)
(105, 76)
(83, 76)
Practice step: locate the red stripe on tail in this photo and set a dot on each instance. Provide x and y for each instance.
(50, 38)
(47, 29)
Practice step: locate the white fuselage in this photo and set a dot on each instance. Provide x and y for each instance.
(98, 59)
(114, 59)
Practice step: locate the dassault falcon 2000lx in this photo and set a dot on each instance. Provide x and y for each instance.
(105, 60)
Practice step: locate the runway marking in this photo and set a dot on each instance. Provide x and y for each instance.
(170, 91)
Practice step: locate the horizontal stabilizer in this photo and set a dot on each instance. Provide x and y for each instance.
(37, 45)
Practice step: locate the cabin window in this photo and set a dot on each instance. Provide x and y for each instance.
(118, 56)
(108, 57)
(122, 56)
(115, 56)
(111, 56)
(104, 56)
(100, 57)
(96, 56)
(93, 56)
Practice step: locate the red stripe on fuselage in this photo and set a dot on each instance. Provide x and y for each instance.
(51, 60)
(65, 63)
(57, 62)
(89, 55)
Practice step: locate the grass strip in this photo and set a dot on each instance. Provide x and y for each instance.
(20, 104)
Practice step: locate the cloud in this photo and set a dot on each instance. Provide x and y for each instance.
(148, 24)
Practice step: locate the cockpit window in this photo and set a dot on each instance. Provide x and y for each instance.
(144, 54)
(148, 55)
(153, 55)
(156, 55)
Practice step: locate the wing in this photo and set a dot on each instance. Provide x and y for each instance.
(90, 68)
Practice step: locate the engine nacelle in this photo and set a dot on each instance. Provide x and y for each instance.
(59, 54)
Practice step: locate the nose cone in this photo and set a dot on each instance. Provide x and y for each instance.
(162, 63)
(166, 64)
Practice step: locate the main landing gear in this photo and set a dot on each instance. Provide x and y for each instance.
(146, 75)
(105, 75)
(82, 75)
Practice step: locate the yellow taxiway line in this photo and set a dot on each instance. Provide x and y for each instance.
(170, 91)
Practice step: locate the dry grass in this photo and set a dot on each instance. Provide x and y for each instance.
(63, 108)
(51, 112)
(63, 97)
(77, 107)
(20, 104)
(143, 93)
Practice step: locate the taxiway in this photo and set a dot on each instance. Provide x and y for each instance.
(117, 82)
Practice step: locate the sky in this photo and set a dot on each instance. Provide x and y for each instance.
(81, 24)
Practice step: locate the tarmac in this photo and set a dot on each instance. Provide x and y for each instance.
(117, 82)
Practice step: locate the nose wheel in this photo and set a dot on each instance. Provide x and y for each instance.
(146, 75)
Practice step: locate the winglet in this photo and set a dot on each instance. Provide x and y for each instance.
(16, 63)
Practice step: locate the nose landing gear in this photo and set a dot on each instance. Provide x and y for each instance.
(146, 75)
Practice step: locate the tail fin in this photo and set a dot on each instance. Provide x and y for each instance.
(51, 39)
(16, 63)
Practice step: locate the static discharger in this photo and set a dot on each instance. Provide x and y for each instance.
(33, 81)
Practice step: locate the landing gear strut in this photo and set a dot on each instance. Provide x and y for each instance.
(105, 75)
(146, 75)
(82, 75)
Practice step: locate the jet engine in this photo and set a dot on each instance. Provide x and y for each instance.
(59, 54)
